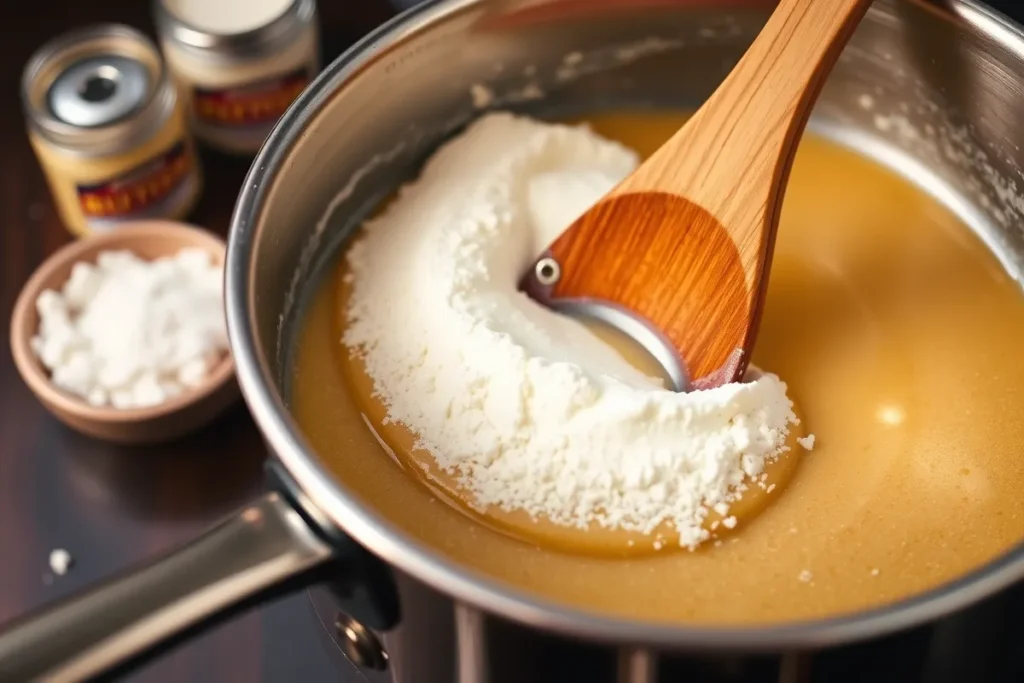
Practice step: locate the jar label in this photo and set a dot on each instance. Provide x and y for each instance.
(253, 104)
(157, 188)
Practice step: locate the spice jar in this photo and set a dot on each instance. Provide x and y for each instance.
(239, 63)
(108, 129)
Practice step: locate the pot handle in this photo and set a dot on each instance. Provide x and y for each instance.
(267, 546)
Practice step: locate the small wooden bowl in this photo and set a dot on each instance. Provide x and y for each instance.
(177, 416)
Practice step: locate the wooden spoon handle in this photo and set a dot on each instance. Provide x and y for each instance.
(685, 242)
(760, 111)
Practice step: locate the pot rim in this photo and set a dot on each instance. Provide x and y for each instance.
(338, 508)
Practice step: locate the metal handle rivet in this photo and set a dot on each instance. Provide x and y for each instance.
(547, 271)
(359, 644)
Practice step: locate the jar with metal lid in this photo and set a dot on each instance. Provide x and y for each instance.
(108, 128)
(239, 63)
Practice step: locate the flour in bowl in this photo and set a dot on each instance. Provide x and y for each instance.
(128, 333)
(524, 406)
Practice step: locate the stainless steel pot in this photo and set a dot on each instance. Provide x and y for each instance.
(930, 88)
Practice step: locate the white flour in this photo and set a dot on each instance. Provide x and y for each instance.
(131, 333)
(525, 406)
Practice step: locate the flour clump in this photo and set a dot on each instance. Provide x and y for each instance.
(526, 407)
(127, 333)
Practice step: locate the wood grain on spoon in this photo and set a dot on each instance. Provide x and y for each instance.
(685, 242)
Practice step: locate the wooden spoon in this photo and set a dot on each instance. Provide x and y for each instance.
(685, 242)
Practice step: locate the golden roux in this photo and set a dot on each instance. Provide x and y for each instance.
(897, 332)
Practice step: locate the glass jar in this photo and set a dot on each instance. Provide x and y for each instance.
(239, 63)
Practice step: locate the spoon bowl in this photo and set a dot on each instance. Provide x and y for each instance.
(685, 242)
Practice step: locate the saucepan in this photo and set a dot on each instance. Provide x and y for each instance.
(362, 127)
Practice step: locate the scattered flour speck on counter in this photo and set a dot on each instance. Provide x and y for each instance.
(524, 406)
(60, 561)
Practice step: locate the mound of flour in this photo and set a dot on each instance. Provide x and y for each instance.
(526, 407)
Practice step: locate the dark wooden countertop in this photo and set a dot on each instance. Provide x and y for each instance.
(109, 506)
